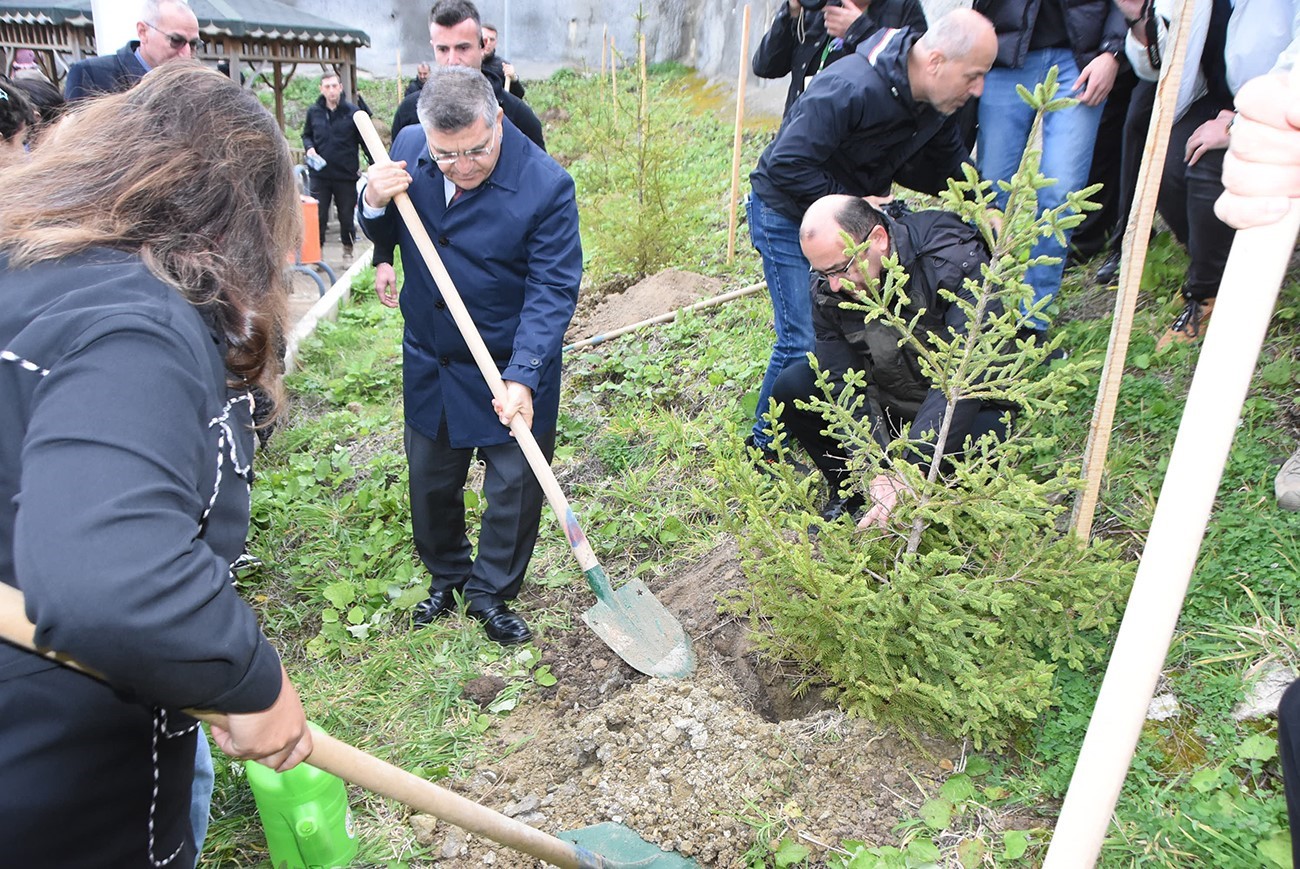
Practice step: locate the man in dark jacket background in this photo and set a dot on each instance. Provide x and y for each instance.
(167, 31)
(937, 251)
(801, 43)
(882, 115)
(331, 140)
(1083, 39)
(414, 85)
(497, 68)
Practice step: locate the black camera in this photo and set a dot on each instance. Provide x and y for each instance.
(817, 5)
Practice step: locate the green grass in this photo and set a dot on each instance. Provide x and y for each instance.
(642, 420)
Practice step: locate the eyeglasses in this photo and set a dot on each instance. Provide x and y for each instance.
(838, 272)
(474, 155)
(177, 42)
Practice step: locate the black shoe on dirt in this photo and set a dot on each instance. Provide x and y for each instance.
(1108, 271)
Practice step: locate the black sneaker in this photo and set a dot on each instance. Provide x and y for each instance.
(842, 505)
(1108, 271)
(763, 455)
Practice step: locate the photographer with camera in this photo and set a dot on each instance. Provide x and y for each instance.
(809, 35)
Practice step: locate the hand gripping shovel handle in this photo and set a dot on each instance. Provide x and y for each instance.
(536, 460)
(367, 771)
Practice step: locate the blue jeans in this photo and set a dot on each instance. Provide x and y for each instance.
(1068, 139)
(776, 238)
(201, 793)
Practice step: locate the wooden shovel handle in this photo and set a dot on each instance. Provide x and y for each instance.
(486, 366)
(356, 766)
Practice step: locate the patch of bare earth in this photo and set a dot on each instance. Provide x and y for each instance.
(696, 765)
(659, 294)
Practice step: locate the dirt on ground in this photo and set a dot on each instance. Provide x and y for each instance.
(703, 766)
(603, 310)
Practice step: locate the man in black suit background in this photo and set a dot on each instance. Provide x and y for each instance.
(167, 31)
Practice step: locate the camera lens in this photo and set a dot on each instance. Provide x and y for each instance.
(812, 5)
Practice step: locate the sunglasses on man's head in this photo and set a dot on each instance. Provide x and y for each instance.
(177, 41)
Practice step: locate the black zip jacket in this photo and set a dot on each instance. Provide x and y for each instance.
(802, 50)
(937, 250)
(1095, 26)
(856, 130)
(336, 139)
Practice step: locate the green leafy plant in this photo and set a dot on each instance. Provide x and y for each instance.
(959, 623)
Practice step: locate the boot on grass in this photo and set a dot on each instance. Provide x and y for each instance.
(1190, 324)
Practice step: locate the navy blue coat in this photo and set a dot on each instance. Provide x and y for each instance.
(512, 247)
(106, 74)
(856, 130)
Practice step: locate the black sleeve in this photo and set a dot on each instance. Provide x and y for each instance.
(775, 54)
(941, 158)
(814, 130)
(523, 118)
(517, 88)
(308, 137)
(118, 472)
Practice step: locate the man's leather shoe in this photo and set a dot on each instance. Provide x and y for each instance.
(436, 605)
(503, 626)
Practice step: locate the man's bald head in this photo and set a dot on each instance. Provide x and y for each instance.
(822, 238)
(947, 64)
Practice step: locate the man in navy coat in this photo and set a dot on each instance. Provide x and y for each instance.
(505, 220)
(167, 31)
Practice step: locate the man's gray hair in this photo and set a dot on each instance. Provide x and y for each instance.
(454, 97)
(153, 9)
(953, 35)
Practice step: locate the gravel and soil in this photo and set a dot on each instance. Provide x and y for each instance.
(704, 766)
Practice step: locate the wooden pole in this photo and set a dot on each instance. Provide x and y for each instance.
(613, 71)
(604, 50)
(1137, 236)
(1250, 284)
(741, 78)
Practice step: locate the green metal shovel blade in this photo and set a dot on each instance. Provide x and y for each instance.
(618, 847)
(639, 628)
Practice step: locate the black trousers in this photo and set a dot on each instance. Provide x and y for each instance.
(507, 533)
(798, 383)
(78, 770)
(1288, 744)
(1187, 196)
(344, 195)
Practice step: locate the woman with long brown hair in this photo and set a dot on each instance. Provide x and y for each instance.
(142, 253)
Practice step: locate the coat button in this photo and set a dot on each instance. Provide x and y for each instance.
(440, 304)
(445, 361)
(443, 240)
(534, 362)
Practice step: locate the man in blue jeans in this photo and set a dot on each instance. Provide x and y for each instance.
(1082, 39)
(881, 115)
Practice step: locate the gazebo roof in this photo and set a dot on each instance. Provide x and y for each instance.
(253, 19)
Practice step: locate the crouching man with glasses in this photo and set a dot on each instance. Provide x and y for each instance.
(167, 31)
(937, 251)
(505, 222)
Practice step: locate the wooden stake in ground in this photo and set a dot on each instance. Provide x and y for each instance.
(741, 78)
(399, 75)
(613, 71)
(604, 50)
(1137, 236)
(1250, 285)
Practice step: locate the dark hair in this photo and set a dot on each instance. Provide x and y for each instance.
(46, 99)
(485, 26)
(16, 111)
(857, 217)
(449, 13)
(189, 171)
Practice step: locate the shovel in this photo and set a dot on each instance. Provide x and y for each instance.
(630, 620)
(626, 850)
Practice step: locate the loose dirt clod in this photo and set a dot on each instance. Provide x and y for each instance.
(659, 294)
